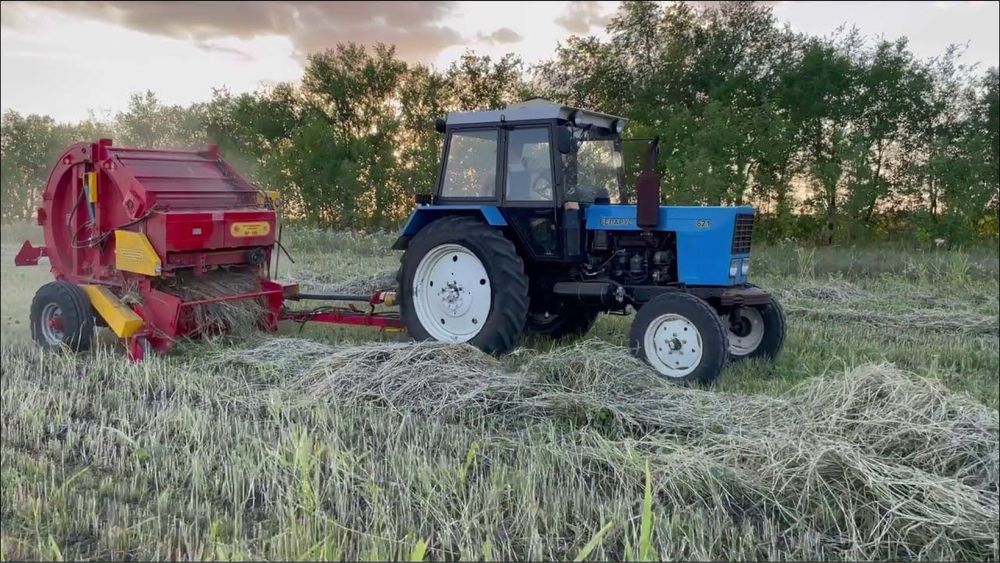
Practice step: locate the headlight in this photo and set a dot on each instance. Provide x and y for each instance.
(745, 268)
(734, 267)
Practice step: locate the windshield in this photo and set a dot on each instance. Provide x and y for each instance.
(593, 170)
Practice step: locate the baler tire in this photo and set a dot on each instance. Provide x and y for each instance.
(504, 325)
(574, 322)
(76, 312)
(691, 310)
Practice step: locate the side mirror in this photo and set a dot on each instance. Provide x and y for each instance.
(565, 141)
(439, 124)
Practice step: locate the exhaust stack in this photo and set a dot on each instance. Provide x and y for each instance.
(647, 198)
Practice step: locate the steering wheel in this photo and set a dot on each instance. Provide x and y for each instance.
(542, 187)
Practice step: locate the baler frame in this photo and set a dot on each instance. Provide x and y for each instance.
(150, 215)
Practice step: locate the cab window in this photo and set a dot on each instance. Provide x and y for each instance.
(593, 171)
(529, 165)
(472, 165)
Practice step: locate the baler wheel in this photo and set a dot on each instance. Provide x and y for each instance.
(481, 291)
(61, 315)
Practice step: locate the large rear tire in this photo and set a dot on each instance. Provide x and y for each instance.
(681, 337)
(462, 281)
(61, 315)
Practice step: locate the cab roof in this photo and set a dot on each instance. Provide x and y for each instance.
(534, 109)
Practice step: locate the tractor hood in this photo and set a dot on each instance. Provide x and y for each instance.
(705, 235)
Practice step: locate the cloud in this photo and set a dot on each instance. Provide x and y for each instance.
(502, 36)
(581, 17)
(311, 25)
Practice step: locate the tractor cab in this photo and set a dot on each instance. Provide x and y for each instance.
(533, 162)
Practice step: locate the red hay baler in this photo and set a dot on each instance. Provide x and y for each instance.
(127, 230)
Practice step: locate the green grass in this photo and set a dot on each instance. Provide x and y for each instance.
(275, 449)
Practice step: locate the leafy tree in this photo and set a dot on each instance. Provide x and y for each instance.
(828, 137)
(149, 123)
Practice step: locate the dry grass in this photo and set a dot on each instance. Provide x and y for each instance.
(360, 285)
(235, 317)
(942, 321)
(366, 451)
(873, 436)
(875, 464)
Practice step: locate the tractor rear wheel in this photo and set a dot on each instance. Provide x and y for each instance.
(758, 333)
(568, 320)
(61, 315)
(463, 281)
(681, 337)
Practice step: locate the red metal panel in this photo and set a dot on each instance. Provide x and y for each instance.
(29, 255)
(191, 231)
(344, 317)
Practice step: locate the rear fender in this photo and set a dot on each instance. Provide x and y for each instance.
(425, 215)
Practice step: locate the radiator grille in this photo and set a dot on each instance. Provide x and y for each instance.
(743, 233)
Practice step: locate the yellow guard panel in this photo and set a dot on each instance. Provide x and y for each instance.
(124, 321)
(134, 253)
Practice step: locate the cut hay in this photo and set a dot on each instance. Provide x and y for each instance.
(874, 463)
(236, 317)
(963, 322)
(360, 285)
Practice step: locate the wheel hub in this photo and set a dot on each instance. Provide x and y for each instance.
(455, 299)
(745, 333)
(52, 324)
(740, 327)
(673, 345)
(452, 296)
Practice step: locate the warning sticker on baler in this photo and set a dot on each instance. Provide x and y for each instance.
(250, 229)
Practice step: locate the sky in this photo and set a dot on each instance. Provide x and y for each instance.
(71, 59)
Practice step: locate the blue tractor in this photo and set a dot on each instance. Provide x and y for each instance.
(526, 231)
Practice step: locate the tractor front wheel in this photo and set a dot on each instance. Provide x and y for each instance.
(681, 337)
(757, 332)
(463, 281)
(61, 315)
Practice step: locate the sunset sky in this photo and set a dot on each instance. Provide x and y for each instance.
(66, 59)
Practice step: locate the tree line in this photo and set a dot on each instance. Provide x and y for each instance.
(834, 139)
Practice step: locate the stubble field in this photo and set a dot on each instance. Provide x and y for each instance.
(874, 435)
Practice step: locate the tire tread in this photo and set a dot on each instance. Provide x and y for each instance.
(718, 359)
(512, 288)
(80, 316)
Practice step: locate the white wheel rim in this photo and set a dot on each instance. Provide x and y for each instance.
(52, 334)
(673, 345)
(452, 294)
(748, 343)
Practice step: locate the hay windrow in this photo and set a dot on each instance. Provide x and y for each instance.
(384, 280)
(963, 322)
(877, 462)
(831, 291)
(839, 300)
